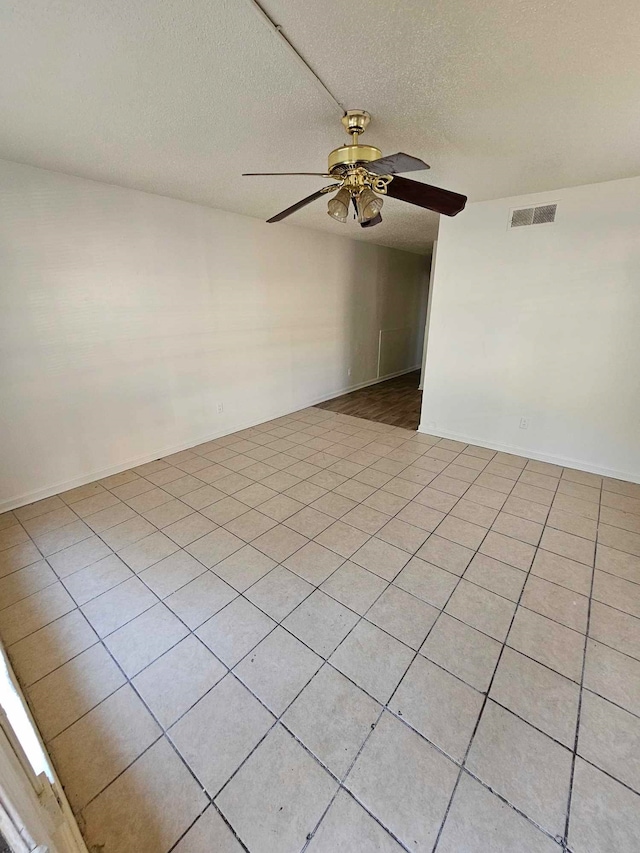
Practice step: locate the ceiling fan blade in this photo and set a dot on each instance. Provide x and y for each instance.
(395, 163)
(300, 204)
(371, 222)
(424, 195)
(316, 174)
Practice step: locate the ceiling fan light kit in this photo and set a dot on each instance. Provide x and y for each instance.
(364, 175)
(338, 206)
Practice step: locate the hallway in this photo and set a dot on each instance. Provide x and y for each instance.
(395, 402)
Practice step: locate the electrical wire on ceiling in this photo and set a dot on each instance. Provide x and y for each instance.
(276, 29)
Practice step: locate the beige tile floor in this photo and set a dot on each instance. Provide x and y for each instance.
(328, 634)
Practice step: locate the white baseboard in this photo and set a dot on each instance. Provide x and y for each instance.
(565, 461)
(48, 491)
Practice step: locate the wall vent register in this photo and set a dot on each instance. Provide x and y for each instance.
(539, 215)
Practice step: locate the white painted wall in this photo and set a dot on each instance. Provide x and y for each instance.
(541, 322)
(126, 317)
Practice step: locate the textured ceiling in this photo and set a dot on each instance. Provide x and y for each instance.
(178, 97)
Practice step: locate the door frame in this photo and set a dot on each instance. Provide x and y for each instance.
(35, 816)
(425, 343)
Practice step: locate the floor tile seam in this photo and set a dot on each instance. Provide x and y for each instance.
(99, 536)
(20, 524)
(569, 532)
(79, 607)
(133, 574)
(159, 529)
(192, 632)
(441, 751)
(386, 704)
(277, 720)
(608, 773)
(79, 812)
(389, 583)
(209, 805)
(557, 583)
(635, 515)
(346, 559)
(546, 526)
(581, 562)
(557, 839)
(488, 530)
(205, 568)
(599, 600)
(479, 717)
(546, 666)
(325, 661)
(351, 794)
(158, 600)
(189, 828)
(619, 526)
(113, 551)
(455, 587)
(445, 670)
(163, 733)
(295, 461)
(620, 550)
(553, 619)
(341, 786)
(564, 557)
(29, 540)
(488, 589)
(129, 680)
(26, 688)
(35, 592)
(580, 698)
(529, 723)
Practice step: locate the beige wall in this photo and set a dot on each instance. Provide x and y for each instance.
(127, 317)
(542, 323)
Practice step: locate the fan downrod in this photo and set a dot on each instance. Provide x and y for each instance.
(341, 159)
(355, 122)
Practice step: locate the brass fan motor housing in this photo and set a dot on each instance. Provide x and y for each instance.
(350, 155)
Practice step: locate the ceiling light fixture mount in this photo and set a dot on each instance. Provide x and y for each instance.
(364, 175)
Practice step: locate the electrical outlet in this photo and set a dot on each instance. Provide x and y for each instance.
(524, 423)
(220, 408)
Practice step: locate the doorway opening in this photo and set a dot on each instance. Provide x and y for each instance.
(396, 402)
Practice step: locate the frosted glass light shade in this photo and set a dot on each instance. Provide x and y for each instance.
(338, 206)
(368, 205)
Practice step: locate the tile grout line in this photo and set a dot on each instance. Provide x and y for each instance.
(581, 693)
(362, 616)
(477, 724)
(386, 708)
(164, 732)
(423, 737)
(136, 574)
(280, 564)
(344, 560)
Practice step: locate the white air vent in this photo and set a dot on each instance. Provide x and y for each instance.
(539, 215)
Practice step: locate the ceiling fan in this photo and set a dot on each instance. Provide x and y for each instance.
(364, 175)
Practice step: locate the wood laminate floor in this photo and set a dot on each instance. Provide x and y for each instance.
(396, 402)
